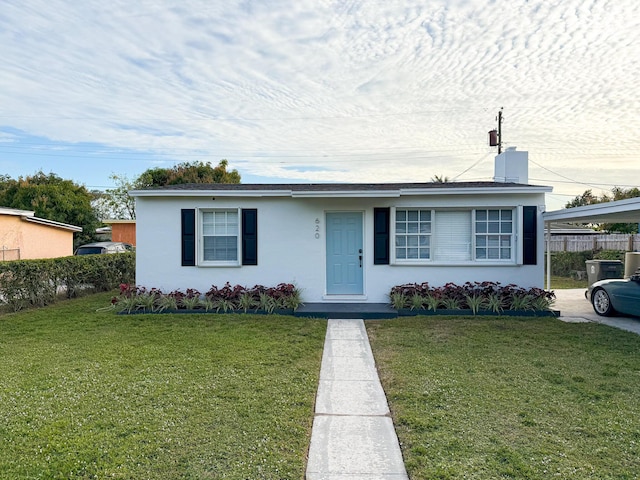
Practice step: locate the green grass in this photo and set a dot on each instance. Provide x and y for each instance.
(511, 398)
(558, 283)
(86, 394)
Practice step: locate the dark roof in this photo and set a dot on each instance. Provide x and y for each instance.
(331, 187)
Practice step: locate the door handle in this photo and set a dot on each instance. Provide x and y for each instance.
(360, 257)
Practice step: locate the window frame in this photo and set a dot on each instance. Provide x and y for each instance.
(513, 237)
(394, 234)
(200, 238)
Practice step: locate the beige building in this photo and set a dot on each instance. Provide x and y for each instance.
(122, 230)
(24, 236)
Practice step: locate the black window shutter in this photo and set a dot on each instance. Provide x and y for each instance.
(188, 225)
(529, 235)
(381, 217)
(249, 236)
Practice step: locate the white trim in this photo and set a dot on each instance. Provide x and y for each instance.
(200, 261)
(51, 223)
(16, 212)
(516, 247)
(474, 190)
(345, 193)
(619, 211)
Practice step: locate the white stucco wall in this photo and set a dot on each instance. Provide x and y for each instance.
(288, 250)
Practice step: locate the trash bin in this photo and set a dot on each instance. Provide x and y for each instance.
(603, 269)
(631, 263)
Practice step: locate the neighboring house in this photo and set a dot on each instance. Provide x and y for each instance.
(122, 230)
(343, 242)
(25, 236)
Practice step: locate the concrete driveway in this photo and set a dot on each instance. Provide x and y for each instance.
(575, 308)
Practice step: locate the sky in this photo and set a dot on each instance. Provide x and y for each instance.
(322, 91)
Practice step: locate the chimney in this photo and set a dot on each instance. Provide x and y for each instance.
(512, 166)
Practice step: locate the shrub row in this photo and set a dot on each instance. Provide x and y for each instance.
(227, 298)
(474, 296)
(563, 264)
(36, 283)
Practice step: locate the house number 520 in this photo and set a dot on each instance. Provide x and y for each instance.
(317, 228)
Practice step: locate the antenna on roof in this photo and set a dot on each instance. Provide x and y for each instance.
(495, 136)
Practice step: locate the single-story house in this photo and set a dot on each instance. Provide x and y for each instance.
(24, 236)
(343, 242)
(122, 230)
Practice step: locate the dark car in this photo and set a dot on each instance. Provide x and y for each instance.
(616, 295)
(103, 247)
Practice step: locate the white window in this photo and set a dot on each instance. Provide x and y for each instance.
(494, 234)
(453, 236)
(452, 233)
(413, 234)
(219, 237)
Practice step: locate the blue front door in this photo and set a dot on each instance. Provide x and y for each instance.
(344, 253)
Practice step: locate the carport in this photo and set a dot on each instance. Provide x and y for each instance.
(620, 211)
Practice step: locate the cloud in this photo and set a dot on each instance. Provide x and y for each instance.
(331, 90)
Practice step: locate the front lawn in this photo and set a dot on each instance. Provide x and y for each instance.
(511, 398)
(87, 394)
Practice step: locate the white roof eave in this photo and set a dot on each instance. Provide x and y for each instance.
(342, 193)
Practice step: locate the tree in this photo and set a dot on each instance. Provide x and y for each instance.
(440, 179)
(117, 203)
(52, 198)
(617, 193)
(188, 172)
(587, 198)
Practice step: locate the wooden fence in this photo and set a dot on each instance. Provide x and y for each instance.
(582, 243)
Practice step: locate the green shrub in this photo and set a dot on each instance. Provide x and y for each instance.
(609, 255)
(474, 296)
(36, 283)
(564, 263)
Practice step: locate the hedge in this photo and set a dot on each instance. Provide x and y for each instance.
(36, 283)
(564, 263)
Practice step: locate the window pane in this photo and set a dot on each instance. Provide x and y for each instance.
(494, 240)
(494, 214)
(481, 227)
(220, 249)
(505, 241)
(505, 253)
(220, 235)
(506, 228)
(481, 215)
(494, 253)
(505, 215)
(481, 253)
(494, 227)
(413, 229)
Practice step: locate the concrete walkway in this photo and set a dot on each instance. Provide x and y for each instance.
(353, 436)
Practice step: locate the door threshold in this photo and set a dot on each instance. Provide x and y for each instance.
(344, 298)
